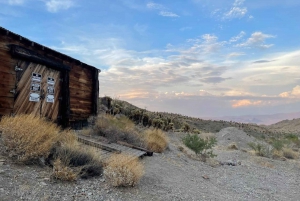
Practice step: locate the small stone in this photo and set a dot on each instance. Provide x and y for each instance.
(43, 183)
(205, 177)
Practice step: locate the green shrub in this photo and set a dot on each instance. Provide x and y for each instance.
(200, 146)
(260, 149)
(278, 145)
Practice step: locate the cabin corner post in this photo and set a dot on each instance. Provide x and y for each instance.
(95, 92)
(65, 101)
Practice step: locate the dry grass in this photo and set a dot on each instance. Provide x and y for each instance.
(277, 154)
(28, 138)
(156, 140)
(62, 172)
(121, 170)
(290, 154)
(233, 146)
(207, 136)
(118, 129)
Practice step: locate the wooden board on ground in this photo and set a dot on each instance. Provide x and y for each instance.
(111, 147)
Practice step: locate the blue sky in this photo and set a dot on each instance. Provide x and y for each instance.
(195, 57)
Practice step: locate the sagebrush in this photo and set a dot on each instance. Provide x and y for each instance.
(123, 170)
(27, 137)
(156, 140)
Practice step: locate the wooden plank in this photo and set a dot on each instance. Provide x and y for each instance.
(80, 93)
(7, 67)
(5, 111)
(5, 91)
(81, 70)
(7, 78)
(79, 86)
(6, 102)
(149, 153)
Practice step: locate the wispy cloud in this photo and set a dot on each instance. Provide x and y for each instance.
(257, 40)
(16, 2)
(56, 5)
(163, 11)
(236, 11)
(168, 14)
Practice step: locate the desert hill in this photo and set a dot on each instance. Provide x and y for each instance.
(178, 122)
(286, 126)
(259, 119)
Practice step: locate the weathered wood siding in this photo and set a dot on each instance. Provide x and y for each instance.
(7, 79)
(81, 89)
(76, 87)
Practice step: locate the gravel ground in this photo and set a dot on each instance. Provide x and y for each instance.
(168, 176)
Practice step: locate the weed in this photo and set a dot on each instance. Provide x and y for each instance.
(156, 140)
(278, 145)
(290, 154)
(62, 172)
(122, 170)
(260, 149)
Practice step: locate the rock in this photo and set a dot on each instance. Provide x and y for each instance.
(205, 177)
(43, 183)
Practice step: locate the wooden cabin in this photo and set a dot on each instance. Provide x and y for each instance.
(38, 80)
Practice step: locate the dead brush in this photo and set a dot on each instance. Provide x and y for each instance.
(27, 137)
(86, 159)
(290, 154)
(62, 172)
(118, 129)
(123, 170)
(156, 140)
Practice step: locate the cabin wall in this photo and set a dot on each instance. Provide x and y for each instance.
(7, 78)
(79, 88)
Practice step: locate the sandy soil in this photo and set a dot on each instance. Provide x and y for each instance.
(172, 175)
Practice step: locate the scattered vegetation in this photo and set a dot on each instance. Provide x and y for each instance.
(199, 145)
(30, 139)
(156, 140)
(122, 170)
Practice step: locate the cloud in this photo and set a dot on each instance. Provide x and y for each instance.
(162, 10)
(168, 14)
(238, 37)
(152, 5)
(56, 5)
(236, 11)
(16, 2)
(257, 40)
(262, 61)
(235, 54)
(213, 80)
(295, 93)
(245, 103)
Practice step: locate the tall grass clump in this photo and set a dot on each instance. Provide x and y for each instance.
(27, 138)
(122, 170)
(156, 140)
(117, 129)
(260, 149)
(199, 145)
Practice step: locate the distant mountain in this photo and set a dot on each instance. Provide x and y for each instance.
(259, 119)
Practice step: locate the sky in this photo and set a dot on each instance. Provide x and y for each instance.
(202, 58)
